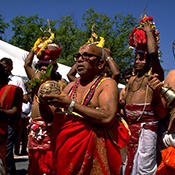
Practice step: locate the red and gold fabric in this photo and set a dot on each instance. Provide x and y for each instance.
(81, 147)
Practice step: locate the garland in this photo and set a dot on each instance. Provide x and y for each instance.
(43, 43)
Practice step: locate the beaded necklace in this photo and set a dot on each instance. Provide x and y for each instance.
(88, 96)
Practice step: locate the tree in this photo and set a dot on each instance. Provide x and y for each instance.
(3, 26)
(27, 30)
(71, 36)
(116, 32)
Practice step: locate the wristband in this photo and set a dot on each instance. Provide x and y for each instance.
(109, 58)
(71, 106)
(149, 31)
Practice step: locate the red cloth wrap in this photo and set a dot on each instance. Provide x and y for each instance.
(41, 161)
(83, 148)
(8, 93)
(135, 128)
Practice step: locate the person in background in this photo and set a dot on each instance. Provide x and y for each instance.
(126, 76)
(12, 129)
(22, 136)
(143, 106)
(11, 98)
(111, 68)
(39, 141)
(167, 164)
(82, 133)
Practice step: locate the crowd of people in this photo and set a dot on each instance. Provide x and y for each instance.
(88, 126)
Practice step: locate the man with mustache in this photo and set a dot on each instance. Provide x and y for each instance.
(82, 135)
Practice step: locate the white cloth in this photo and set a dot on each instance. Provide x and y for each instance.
(145, 157)
(26, 108)
(169, 140)
(18, 81)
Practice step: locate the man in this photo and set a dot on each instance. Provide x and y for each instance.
(10, 108)
(12, 128)
(110, 68)
(126, 76)
(143, 109)
(39, 142)
(168, 98)
(82, 136)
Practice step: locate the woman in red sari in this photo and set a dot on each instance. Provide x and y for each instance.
(10, 108)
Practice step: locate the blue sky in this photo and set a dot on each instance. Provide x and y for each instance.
(162, 11)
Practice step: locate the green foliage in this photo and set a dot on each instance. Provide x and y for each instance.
(3, 26)
(116, 32)
(27, 30)
(71, 36)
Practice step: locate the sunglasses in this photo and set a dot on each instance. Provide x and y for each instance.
(85, 56)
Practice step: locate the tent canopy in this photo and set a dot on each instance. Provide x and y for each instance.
(18, 56)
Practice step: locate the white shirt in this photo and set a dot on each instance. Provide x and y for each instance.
(18, 81)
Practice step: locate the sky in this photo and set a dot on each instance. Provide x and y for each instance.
(162, 11)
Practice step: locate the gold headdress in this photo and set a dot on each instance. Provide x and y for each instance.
(94, 38)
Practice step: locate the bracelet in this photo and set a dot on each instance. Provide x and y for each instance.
(109, 58)
(149, 31)
(71, 106)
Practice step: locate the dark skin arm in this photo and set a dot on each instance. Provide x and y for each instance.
(159, 102)
(72, 72)
(30, 71)
(153, 51)
(114, 69)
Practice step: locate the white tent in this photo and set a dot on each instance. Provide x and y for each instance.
(18, 56)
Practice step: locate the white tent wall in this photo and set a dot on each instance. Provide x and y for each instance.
(18, 56)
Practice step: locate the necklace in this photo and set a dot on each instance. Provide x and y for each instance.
(74, 94)
(139, 86)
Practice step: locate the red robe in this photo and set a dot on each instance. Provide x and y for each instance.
(81, 147)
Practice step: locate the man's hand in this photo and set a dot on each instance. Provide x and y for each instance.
(154, 83)
(62, 100)
(169, 140)
(147, 27)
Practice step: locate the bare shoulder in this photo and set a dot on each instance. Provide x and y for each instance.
(131, 79)
(171, 73)
(109, 83)
(170, 80)
(170, 76)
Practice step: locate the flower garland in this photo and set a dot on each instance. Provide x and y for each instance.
(42, 44)
(138, 36)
